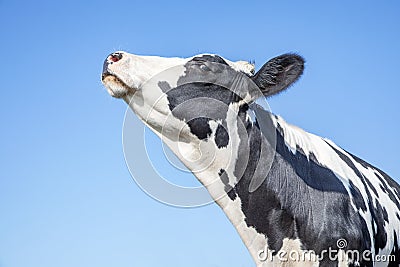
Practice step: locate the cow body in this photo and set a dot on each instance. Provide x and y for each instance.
(284, 190)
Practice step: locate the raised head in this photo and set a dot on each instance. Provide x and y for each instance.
(190, 88)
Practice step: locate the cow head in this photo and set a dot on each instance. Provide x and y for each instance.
(195, 103)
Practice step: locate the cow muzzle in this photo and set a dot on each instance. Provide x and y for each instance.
(112, 76)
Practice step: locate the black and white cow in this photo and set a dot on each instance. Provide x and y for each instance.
(293, 197)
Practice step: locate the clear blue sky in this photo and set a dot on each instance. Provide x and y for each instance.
(66, 196)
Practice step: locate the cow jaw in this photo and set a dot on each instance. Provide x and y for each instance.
(115, 86)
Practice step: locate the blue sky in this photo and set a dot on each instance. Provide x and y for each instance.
(66, 196)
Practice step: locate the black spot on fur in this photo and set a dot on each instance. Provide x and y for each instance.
(383, 188)
(395, 253)
(385, 214)
(380, 235)
(225, 180)
(200, 128)
(224, 177)
(371, 187)
(357, 197)
(197, 102)
(221, 137)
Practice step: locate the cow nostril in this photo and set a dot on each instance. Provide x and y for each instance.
(114, 57)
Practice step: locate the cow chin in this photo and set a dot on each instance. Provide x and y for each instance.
(115, 87)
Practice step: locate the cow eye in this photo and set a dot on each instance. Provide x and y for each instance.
(204, 67)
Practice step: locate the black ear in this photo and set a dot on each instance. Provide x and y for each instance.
(279, 73)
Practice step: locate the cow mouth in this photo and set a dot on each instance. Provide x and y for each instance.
(115, 86)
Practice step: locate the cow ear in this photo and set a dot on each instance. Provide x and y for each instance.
(279, 73)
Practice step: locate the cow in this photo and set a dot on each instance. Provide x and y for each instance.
(295, 199)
